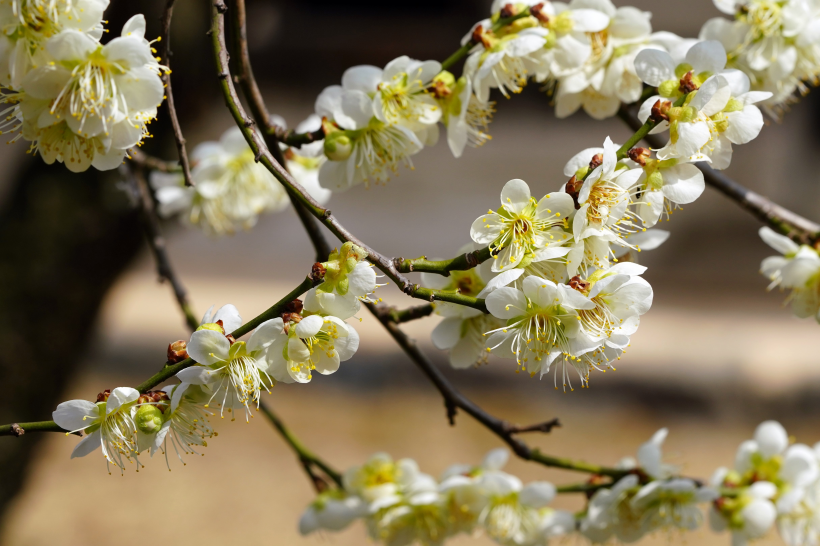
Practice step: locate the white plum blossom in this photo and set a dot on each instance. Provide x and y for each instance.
(332, 510)
(521, 227)
(26, 25)
(667, 184)
(232, 373)
(401, 93)
(462, 329)
(185, 423)
(348, 280)
(797, 270)
(542, 326)
(309, 343)
(360, 147)
(108, 423)
(231, 189)
(467, 119)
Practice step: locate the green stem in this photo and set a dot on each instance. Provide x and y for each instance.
(582, 487)
(304, 454)
(443, 267)
(579, 466)
(171, 370)
(411, 313)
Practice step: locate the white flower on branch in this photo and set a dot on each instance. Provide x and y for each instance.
(777, 44)
(185, 423)
(467, 119)
(231, 190)
(542, 327)
(332, 510)
(108, 423)
(26, 25)
(462, 330)
(521, 227)
(665, 185)
(349, 279)
(232, 373)
(304, 344)
(797, 270)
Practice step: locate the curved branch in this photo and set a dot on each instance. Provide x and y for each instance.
(454, 400)
(156, 241)
(165, 54)
(770, 213)
(466, 261)
(296, 191)
(305, 456)
(169, 371)
(151, 163)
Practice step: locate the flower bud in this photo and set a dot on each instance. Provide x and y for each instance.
(579, 284)
(733, 105)
(596, 161)
(294, 306)
(177, 351)
(687, 84)
(537, 11)
(682, 69)
(669, 88)
(148, 418)
(573, 188)
(103, 396)
(660, 111)
(654, 181)
(507, 11)
(443, 84)
(639, 155)
(215, 326)
(338, 146)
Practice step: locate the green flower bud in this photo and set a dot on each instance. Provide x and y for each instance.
(669, 88)
(338, 146)
(148, 418)
(211, 326)
(445, 78)
(582, 172)
(654, 181)
(733, 105)
(682, 69)
(343, 286)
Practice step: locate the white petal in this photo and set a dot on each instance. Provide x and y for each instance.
(654, 66)
(229, 315)
(515, 195)
(708, 56)
(447, 333)
(506, 303)
(87, 445)
(75, 414)
(208, 347)
(362, 78)
(537, 494)
(780, 243)
(120, 397)
(771, 438)
(309, 326)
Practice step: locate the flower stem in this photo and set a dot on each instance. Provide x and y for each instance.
(465, 49)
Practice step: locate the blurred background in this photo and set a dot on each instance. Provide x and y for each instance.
(81, 309)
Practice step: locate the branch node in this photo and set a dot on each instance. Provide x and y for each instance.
(220, 6)
(249, 123)
(326, 215)
(452, 410)
(17, 430)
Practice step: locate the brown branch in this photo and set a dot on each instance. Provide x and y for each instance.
(770, 213)
(272, 133)
(165, 54)
(151, 163)
(153, 234)
(295, 190)
(405, 315)
(454, 400)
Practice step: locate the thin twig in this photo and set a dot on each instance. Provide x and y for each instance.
(156, 241)
(305, 456)
(454, 400)
(272, 132)
(264, 155)
(165, 54)
(151, 163)
(770, 213)
(400, 316)
(169, 371)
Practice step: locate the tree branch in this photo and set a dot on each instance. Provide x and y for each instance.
(151, 163)
(466, 261)
(264, 155)
(454, 400)
(775, 216)
(165, 54)
(169, 371)
(153, 234)
(405, 315)
(305, 456)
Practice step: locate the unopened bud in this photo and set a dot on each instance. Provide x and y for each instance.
(596, 161)
(507, 11)
(318, 271)
(687, 85)
(177, 351)
(230, 339)
(103, 396)
(668, 88)
(215, 326)
(148, 419)
(579, 284)
(338, 146)
(573, 188)
(483, 37)
(290, 318)
(537, 11)
(660, 111)
(443, 84)
(294, 306)
(639, 155)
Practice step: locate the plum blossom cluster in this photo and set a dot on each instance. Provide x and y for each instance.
(797, 270)
(401, 505)
(230, 188)
(78, 101)
(776, 43)
(228, 376)
(772, 483)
